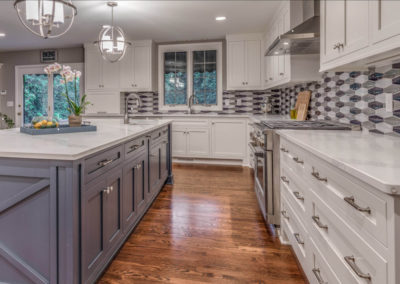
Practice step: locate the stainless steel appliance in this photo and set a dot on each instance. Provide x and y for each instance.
(264, 143)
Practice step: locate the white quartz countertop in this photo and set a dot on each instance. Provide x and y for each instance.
(373, 158)
(71, 146)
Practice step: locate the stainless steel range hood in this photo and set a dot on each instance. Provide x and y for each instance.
(303, 37)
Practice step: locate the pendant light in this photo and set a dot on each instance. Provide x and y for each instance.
(46, 18)
(112, 42)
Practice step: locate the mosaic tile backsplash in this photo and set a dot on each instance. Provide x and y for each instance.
(348, 97)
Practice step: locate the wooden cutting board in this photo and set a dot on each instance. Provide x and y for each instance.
(303, 100)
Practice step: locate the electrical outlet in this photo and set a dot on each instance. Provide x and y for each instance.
(389, 102)
(10, 103)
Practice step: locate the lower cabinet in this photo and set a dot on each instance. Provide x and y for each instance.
(134, 190)
(101, 221)
(228, 139)
(158, 166)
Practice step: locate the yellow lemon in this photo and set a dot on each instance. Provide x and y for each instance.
(49, 124)
(44, 122)
(37, 125)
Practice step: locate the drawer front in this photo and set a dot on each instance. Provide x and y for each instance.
(363, 210)
(320, 271)
(158, 135)
(295, 232)
(294, 158)
(132, 148)
(345, 249)
(101, 163)
(295, 191)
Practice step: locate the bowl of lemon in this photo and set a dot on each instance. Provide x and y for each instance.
(42, 122)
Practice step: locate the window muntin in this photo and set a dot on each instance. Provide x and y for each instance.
(205, 77)
(175, 78)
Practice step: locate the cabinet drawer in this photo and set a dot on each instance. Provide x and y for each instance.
(295, 232)
(294, 158)
(158, 135)
(320, 271)
(363, 210)
(295, 192)
(345, 249)
(99, 164)
(132, 148)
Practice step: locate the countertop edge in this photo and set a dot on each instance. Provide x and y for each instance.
(374, 182)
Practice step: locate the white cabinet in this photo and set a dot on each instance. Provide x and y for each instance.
(228, 138)
(137, 67)
(100, 75)
(179, 145)
(345, 27)
(191, 138)
(103, 103)
(385, 19)
(244, 62)
(198, 142)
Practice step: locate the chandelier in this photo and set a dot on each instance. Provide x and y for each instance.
(112, 42)
(46, 18)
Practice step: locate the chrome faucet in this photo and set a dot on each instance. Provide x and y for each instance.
(128, 97)
(191, 101)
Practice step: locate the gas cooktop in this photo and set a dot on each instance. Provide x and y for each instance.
(308, 124)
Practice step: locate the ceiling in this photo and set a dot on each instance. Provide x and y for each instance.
(162, 21)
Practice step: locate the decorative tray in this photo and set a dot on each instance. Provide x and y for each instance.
(58, 130)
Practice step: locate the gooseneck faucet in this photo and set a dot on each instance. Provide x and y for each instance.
(129, 97)
(191, 101)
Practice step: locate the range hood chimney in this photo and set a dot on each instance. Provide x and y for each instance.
(303, 37)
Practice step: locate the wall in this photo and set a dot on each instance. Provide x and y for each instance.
(29, 57)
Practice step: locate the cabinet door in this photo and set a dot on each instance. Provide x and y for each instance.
(333, 28)
(154, 170)
(198, 142)
(236, 64)
(164, 148)
(385, 19)
(142, 67)
(127, 70)
(93, 65)
(356, 25)
(228, 139)
(179, 143)
(112, 207)
(93, 246)
(110, 75)
(134, 191)
(253, 64)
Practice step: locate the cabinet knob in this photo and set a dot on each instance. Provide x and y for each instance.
(281, 74)
(138, 166)
(270, 78)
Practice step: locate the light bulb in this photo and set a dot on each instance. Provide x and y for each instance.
(107, 45)
(120, 43)
(59, 14)
(32, 10)
(48, 7)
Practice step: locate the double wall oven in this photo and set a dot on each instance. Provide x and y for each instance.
(264, 146)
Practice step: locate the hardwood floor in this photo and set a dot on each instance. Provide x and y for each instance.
(206, 228)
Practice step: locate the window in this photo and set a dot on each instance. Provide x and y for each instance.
(41, 95)
(187, 70)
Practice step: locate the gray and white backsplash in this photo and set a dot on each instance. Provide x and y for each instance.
(348, 97)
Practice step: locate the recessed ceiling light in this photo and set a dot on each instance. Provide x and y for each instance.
(2, 34)
(276, 52)
(220, 18)
(285, 43)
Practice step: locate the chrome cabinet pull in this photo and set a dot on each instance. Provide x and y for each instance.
(298, 196)
(284, 150)
(336, 46)
(353, 203)
(134, 147)
(284, 179)
(318, 222)
(297, 160)
(281, 74)
(317, 274)
(138, 166)
(352, 262)
(105, 163)
(340, 45)
(284, 214)
(298, 239)
(164, 142)
(316, 175)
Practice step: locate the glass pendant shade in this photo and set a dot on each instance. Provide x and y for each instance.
(46, 18)
(112, 41)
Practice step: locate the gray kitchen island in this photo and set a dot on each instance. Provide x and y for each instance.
(69, 201)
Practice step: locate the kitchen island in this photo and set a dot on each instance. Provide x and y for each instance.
(69, 201)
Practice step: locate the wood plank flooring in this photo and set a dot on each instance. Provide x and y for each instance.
(206, 228)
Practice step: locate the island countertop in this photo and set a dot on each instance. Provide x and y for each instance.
(373, 158)
(72, 146)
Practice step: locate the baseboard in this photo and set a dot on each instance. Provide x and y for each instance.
(210, 161)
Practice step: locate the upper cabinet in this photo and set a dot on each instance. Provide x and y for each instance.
(358, 33)
(285, 69)
(135, 72)
(138, 67)
(244, 62)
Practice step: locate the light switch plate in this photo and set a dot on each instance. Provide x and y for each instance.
(389, 102)
(10, 103)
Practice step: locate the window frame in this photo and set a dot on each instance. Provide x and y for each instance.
(189, 48)
(21, 70)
